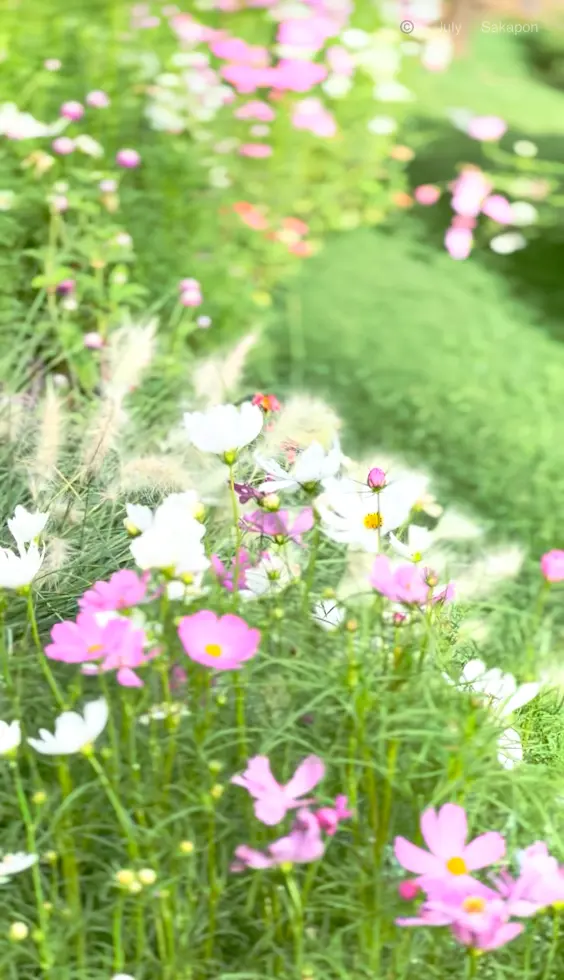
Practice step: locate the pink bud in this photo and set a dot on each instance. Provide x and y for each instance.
(376, 479)
(191, 297)
(398, 618)
(66, 286)
(72, 110)
(427, 194)
(188, 284)
(97, 99)
(128, 159)
(94, 341)
(552, 566)
(408, 890)
(63, 145)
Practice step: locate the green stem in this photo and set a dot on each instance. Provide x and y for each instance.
(238, 537)
(71, 875)
(123, 817)
(240, 716)
(42, 658)
(297, 920)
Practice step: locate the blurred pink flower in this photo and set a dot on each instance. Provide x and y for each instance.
(221, 642)
(123, 590)
(127, 655)
(297, 76)
(306, 33)
(279, 525)
(98, 99)
(257, 150)
(458, 242)
(63, 145)
(552, 565)
(408, 890)
(93, 341)
(498, 209)
(427, 194)
(272, 799)
(340, 61)
(226, 573)
(250, 215)
(329, 818)
(469, 192)
(256, 109)
(72, 110)
(128, 158)
(445, 831)
(487, 128)
(311, 114)
(410, 584)
(302, 845)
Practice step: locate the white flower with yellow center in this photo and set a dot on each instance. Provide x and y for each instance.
(26, 526)
(418, 542)
(17, 570)
(171, 538)
(224, 429)
(311, 468)
(73, 732)
(358, 517)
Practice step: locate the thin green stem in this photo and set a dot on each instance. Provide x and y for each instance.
(122, 815)
(41, 653)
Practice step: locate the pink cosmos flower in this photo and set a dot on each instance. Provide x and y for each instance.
(302, 845)
(122, 591)
(310, 114)
(552, 565)
(250, 215)
(458, 242)
(255, 110)
(279, 525)
(114, 642)
(231, 49)
(226, 574)
(191, 297)
(297, 76)
(427, 194)
(79, 642)
(498, 208)
(449, 856)
(487, 128)
(98, 99)
(129, 159)
(221, 642)
(256, 150)
(63, 145)
(340, 61)
(540, 883)
(329, 818)
(469, 192)
(188, 30)
(127, 655)
(72, 110)
(410, 584)
(272, 799)
(307, 34)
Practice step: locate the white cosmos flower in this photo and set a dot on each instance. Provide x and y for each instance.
(272, 574)
(171, 538)
(86, 144)
(392, 92)
(359, 517)
(509, 748)
(382, 125)
(10, 736)
(418, 541)
(73, 732)
(139, 518)
(13, 864)
(523, 213)
(19, 570)
(312, 467)
(501, 690)
(509, 242)
(23, 126)
(26, 526)
(328, 614)
(224, 429)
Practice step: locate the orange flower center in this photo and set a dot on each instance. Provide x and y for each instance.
(474, 904)
(213, 650)
(95, 648)
(456, 866)
(373, 521)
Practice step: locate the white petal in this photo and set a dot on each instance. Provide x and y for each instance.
(510, 749)
(96, 715)
(522, 696)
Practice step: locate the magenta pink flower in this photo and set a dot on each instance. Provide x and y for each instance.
(408, 890)
(72, 110)
(458, 242)
(306, 33)
(221, 642)
(487, 128)
(427, 194)
(78, 642)
(498, 208)
(376, 479)
(122, 591)
(63, 145)
(297, 76)
(255, 110)
(272, 799)
(128, 158)
(449, 856)
(329, 818)
(126, 655)
(279, 525)
(469, 192)
(226, 574)
(552, 565)
(256, 150)
(410, 584)
(310, 114)
(302, 845)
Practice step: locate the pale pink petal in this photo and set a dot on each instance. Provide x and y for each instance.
(453, 828)
(271, 809)
(431, 832)
(415, 859)
(503, 935)
(308, 774)
(486, 849)
(128, 678)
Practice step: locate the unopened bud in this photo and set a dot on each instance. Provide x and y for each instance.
(147, 876)
(39, 798)
(376, 478)
(18, 932)
(186, 847)
(271, 502)
(216, 792)
(125, 877)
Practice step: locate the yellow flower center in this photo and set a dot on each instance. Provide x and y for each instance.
(416, 556)
(373, 521)
(273, 575)
(213, 649)
(95, 648)
(474, 904)
(456, 866)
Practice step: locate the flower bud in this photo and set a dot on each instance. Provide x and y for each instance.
(125, 877)
(376, 479)
(271, 502)
(18, 932)
(186, 847)
(216, 792)
(39, 798)
(147, 876)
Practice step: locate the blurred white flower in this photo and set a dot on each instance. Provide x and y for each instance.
(86, 144)
(525, 148)
(523, 213)
(26, 526)
(360, 517)
(18, 570)
(139, 518)
(509, 748)
(7, 200)
(355, 38)
(337, 86)
(455, 526)
(419, 539)
(382, 125)
(392, 92)
(328, 614)
(18, 125)
(486, 573)
(160, 712)
(73, 732)
(509, 242)
(312, 467)
(224, 429)
(500, 691)
(272, 574)
(10, 736)
(13, 864)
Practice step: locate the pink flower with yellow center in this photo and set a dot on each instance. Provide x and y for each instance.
(221, 642)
